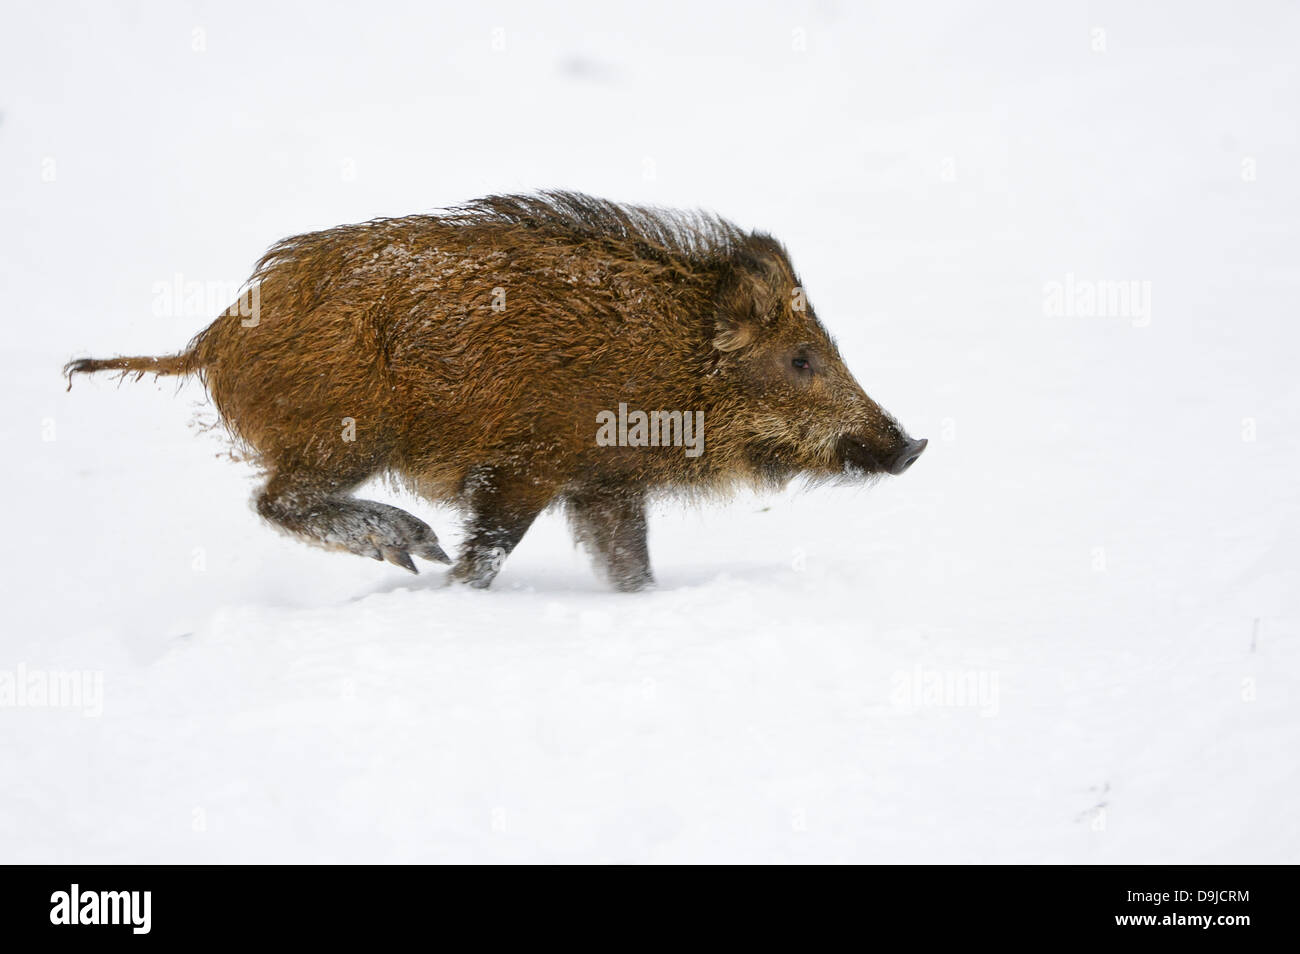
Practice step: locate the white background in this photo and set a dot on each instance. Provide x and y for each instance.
(1103, 529)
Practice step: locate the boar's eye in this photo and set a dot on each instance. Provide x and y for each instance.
(800, 363)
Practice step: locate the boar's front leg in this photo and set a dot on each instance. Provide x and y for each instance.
(502, 507)
(610, 523)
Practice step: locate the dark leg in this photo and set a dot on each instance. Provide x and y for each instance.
(502, 508)
(612, 526)
(319, 510)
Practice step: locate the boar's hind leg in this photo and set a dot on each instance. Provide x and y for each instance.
(502, 507)
(320, 511)
(611, 525)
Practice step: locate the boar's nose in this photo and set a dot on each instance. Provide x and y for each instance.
(907, 456)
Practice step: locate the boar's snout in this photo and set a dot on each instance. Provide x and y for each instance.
(907, 456)
(901, 454)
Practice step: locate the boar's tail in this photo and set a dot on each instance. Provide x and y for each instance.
(187, 362)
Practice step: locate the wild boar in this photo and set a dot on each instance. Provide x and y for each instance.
(520, 352)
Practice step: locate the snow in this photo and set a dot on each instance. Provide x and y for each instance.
(1068, 634)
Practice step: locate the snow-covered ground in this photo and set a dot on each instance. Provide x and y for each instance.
(1069, 634)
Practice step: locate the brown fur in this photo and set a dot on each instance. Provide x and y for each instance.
(398, 325)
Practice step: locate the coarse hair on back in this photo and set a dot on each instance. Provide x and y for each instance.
(679, 239)
(694, 234)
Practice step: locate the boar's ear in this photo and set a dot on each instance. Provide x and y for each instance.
(747, 303)
(732, 335)
(737, 320)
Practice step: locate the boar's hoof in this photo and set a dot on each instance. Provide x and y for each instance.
(632, 583)
(386, 533)
(399, 558)
(478, 567)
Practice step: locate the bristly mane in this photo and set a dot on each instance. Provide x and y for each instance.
(695, 234)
